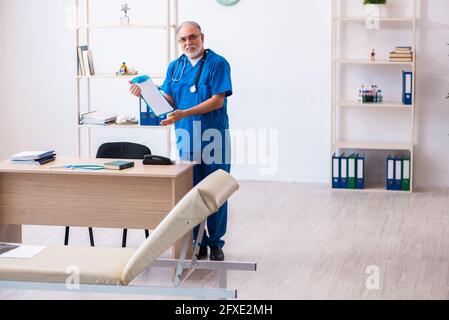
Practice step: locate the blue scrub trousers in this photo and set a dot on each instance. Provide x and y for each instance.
(216, 223)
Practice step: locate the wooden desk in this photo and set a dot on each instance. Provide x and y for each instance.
(135, 198)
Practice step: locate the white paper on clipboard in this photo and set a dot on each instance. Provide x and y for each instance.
(154, 99)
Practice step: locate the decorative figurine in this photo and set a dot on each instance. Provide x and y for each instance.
(124, 18)
(373, 55)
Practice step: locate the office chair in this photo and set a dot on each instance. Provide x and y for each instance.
(117, 150)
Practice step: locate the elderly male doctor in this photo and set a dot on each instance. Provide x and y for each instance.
(197, 86)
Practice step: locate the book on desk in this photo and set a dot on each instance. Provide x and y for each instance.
(119, 165)
(34, 157)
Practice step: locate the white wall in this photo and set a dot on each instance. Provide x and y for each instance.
(280, 55)
(37, 82)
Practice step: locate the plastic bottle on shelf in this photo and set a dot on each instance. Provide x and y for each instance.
(380, 98)
(375, 94)
(123, 69)
(363, 94)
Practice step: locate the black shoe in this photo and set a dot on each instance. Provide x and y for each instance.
(216, 254)
(202, 254)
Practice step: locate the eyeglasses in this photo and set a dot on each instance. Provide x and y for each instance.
(191, 37)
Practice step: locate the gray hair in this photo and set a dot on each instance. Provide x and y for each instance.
(190, 23)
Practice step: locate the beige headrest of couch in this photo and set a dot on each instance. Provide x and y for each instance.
(203, 200)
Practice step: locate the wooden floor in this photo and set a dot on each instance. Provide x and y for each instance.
(309, 243)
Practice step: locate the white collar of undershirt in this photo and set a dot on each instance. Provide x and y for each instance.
(195, 61)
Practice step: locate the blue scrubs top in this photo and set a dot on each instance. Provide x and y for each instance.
(215, 79)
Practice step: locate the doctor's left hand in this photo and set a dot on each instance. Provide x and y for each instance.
(173, 117)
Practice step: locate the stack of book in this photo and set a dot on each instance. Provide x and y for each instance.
(34, 157)
(402, 54)
(97, 118)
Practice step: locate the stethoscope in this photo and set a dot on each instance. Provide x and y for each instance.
(81, 166)
(193, 88)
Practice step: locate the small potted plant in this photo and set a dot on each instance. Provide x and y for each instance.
(376, 7)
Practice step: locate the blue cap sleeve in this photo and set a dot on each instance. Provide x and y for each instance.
(221, 78)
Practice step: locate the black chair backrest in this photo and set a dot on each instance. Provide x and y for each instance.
(122, 150)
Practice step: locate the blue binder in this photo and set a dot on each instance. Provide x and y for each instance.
(143, 108)
(397, 173)
(343, 172)
(152, 118)
(390, 172)
(147, 117)
(336, 171)
(160, 119)
(360, 168)
(407, 87)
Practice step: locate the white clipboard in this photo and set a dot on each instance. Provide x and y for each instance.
(154, 99)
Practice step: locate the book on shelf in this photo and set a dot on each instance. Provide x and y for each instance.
(88, 62)
(401, 60)
(403, 49)
(85, 61)
(402, 54)
(395, 54)
(409, 58)
(97, 118)
(81, 66)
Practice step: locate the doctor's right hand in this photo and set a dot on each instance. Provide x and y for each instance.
(134, 89)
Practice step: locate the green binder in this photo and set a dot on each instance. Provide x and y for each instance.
(352, 179)
(406, 174)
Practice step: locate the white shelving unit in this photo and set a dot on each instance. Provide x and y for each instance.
(338, 103)
(363, 19)
(113, 76)
(171, 12)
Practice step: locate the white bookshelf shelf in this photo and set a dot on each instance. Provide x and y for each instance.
(386, 104)
(124, 126)
(130, 26)
(363, 19)
(374, 189)
(114, 76)
(377, 62)
(372, 145)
